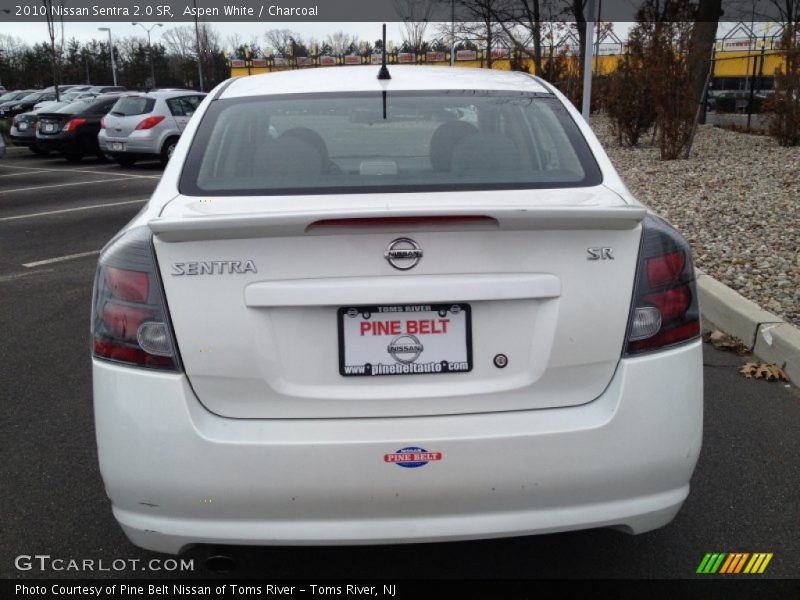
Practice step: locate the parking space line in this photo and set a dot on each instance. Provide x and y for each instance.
(48, 261)
(56, 185)
(67, 210)
(14, 276)
(72, 170)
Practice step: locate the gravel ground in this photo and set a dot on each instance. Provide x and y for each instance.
(737, 202)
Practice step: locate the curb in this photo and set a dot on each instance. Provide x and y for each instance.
(771, 338)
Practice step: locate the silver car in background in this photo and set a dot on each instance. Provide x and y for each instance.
(147, 126)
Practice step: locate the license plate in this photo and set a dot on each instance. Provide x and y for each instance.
(117, 147)
(49, 127)
(22, 126)
(420, 339)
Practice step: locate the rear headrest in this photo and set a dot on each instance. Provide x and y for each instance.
(307, 135)
(288, 159)
(444, 141)
(486, 152)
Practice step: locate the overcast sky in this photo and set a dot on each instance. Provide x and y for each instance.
(37, 32)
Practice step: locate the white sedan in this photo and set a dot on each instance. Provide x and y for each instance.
(427, 309)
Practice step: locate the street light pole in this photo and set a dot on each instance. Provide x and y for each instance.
(587, 61)
(111, 51)
(199, 51)
(150, 48)
(452, 33)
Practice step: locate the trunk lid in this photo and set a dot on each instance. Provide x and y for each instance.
(127, 113)
(52, 123)
(268, 296)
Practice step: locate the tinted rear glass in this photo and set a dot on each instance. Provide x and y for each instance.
(30, 97)
(415, 141)
(133, 105)
(78, 106)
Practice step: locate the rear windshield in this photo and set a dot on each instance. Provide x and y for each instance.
(133, 105)
(78, 106)
(403, 141)
(33, 96)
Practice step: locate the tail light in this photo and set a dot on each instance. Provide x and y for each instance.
(103, 123)
(665, 309)
(130, 323)
(36, 124)
(150, 122)
(73, 124)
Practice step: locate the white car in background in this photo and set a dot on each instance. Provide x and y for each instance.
(147, 126)
(428, 309)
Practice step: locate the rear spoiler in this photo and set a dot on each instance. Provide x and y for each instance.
(325, 222)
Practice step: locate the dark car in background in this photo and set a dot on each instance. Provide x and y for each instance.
(106, 89)
(23, 132)
(24, 104)
(72, 129)
(11, 98)
(13, 95)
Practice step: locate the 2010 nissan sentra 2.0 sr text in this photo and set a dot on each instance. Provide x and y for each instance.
(362, 310)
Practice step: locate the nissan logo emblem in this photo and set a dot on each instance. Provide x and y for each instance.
(403, 253)
(405, 349)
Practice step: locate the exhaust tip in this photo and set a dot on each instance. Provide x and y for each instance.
(220, 563)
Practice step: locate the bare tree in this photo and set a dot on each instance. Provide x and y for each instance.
(51, 31)
(477, 25)
(181, 42)
(576, 10)
(233, 42)
(280, 40)
(415, 15)
(341, 41)
(785, 121)
(701, 44)
(521, 21)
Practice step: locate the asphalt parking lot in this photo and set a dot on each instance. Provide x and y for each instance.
(54, 219)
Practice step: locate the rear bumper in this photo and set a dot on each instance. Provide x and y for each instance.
(20, 138)
(140, 144)
(60, 142)
(177, 474)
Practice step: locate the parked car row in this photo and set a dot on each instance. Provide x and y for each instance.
(20, 101)
(116, 124)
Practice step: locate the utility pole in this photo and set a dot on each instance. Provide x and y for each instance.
(452, 33)
(587, 61)
(199, 51)
(150, 48)
(111, 51)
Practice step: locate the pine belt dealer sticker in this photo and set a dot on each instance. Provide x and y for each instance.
(412, 457)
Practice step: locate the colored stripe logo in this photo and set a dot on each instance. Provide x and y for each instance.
(734, 563)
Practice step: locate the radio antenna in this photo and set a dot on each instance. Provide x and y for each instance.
(384, 72)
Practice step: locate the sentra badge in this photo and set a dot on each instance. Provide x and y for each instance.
(214, 267)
